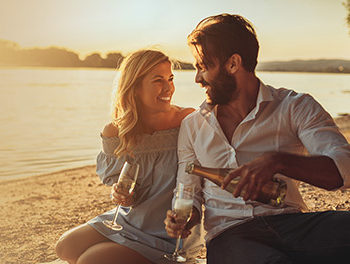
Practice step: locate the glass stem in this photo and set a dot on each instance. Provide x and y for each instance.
(116, 214)
(177, 246)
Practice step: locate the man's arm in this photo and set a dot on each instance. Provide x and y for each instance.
(185, 154)
(327, 166)
(320, 171)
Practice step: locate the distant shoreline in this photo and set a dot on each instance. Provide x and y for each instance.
(45, 174)
(115, 69)
(12, 54)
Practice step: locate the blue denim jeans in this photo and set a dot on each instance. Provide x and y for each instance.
(319, 237)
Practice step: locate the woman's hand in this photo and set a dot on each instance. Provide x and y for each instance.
(121, 196)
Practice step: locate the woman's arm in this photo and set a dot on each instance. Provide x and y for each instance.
(110, 130)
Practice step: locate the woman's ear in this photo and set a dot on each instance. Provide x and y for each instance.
(136, 91)
(234, 63)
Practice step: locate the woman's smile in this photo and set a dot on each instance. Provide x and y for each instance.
(165, 99)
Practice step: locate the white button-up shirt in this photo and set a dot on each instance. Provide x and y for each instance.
(282, 120)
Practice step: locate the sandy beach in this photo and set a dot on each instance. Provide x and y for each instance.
(35, 211)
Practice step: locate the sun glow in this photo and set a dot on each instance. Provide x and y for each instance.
(286, 29)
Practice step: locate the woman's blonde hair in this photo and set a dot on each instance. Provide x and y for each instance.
(125, 112)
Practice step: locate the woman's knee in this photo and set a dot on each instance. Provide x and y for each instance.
(111, 253)
(65, 248)
(75, 241)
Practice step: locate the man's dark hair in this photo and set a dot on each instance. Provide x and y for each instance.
(221, 36)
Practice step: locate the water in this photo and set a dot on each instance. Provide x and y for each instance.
(51, 118)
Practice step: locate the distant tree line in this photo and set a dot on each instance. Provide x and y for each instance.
(347, 6)
(11, 54)
(320, 65)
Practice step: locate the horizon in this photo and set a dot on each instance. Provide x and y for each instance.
(103, 55)
(292, 30)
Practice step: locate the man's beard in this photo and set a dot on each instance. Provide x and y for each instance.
(221, 90)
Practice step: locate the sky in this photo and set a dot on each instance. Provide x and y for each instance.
(286, 29)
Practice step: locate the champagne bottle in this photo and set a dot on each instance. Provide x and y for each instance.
(272, 192)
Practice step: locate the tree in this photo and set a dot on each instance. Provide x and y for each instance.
(8, 52)
(347, 6)
(113, 60)
(93, 60)
(52, 56)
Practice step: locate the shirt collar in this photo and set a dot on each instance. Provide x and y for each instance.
(264, 95)
(206, 108)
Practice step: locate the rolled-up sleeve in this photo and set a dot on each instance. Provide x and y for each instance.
(108, 166)
(185, 155)
(320, 135)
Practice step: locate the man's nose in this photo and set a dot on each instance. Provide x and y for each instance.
(198, 78)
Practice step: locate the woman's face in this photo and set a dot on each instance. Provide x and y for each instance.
(157, 89)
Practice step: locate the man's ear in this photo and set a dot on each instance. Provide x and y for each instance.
(233, 64)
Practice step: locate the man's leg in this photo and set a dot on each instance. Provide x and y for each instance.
(248, 243)
(320, 237)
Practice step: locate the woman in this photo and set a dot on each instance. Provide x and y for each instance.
(145, 126)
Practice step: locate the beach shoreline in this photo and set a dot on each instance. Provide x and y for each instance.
(37, 210)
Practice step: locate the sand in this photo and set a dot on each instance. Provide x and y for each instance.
(35, 211)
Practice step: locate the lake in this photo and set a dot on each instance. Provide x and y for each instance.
(51, 118)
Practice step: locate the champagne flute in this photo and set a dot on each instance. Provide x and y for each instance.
(183, 210)
(126, 181)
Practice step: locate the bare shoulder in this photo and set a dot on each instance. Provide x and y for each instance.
(187, 111)
(110, 130)
(183, 112)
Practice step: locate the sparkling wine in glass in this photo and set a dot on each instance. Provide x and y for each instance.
(126, 181)
(183, 210)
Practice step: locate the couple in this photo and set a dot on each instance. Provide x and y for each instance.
(260, 131)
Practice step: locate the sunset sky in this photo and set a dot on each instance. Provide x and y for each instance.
(287, 29)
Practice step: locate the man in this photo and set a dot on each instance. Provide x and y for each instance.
(263, 133)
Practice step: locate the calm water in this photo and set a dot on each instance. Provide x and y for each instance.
(51, 118)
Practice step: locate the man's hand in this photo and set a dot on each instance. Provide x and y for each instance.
(176, 228)
(253, 175)
(121, 196)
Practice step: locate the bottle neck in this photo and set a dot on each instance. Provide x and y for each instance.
(214, 174)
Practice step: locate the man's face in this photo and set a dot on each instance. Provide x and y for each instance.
(219, 84)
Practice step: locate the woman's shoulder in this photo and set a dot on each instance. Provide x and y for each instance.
(110, 130)
(182, 112)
